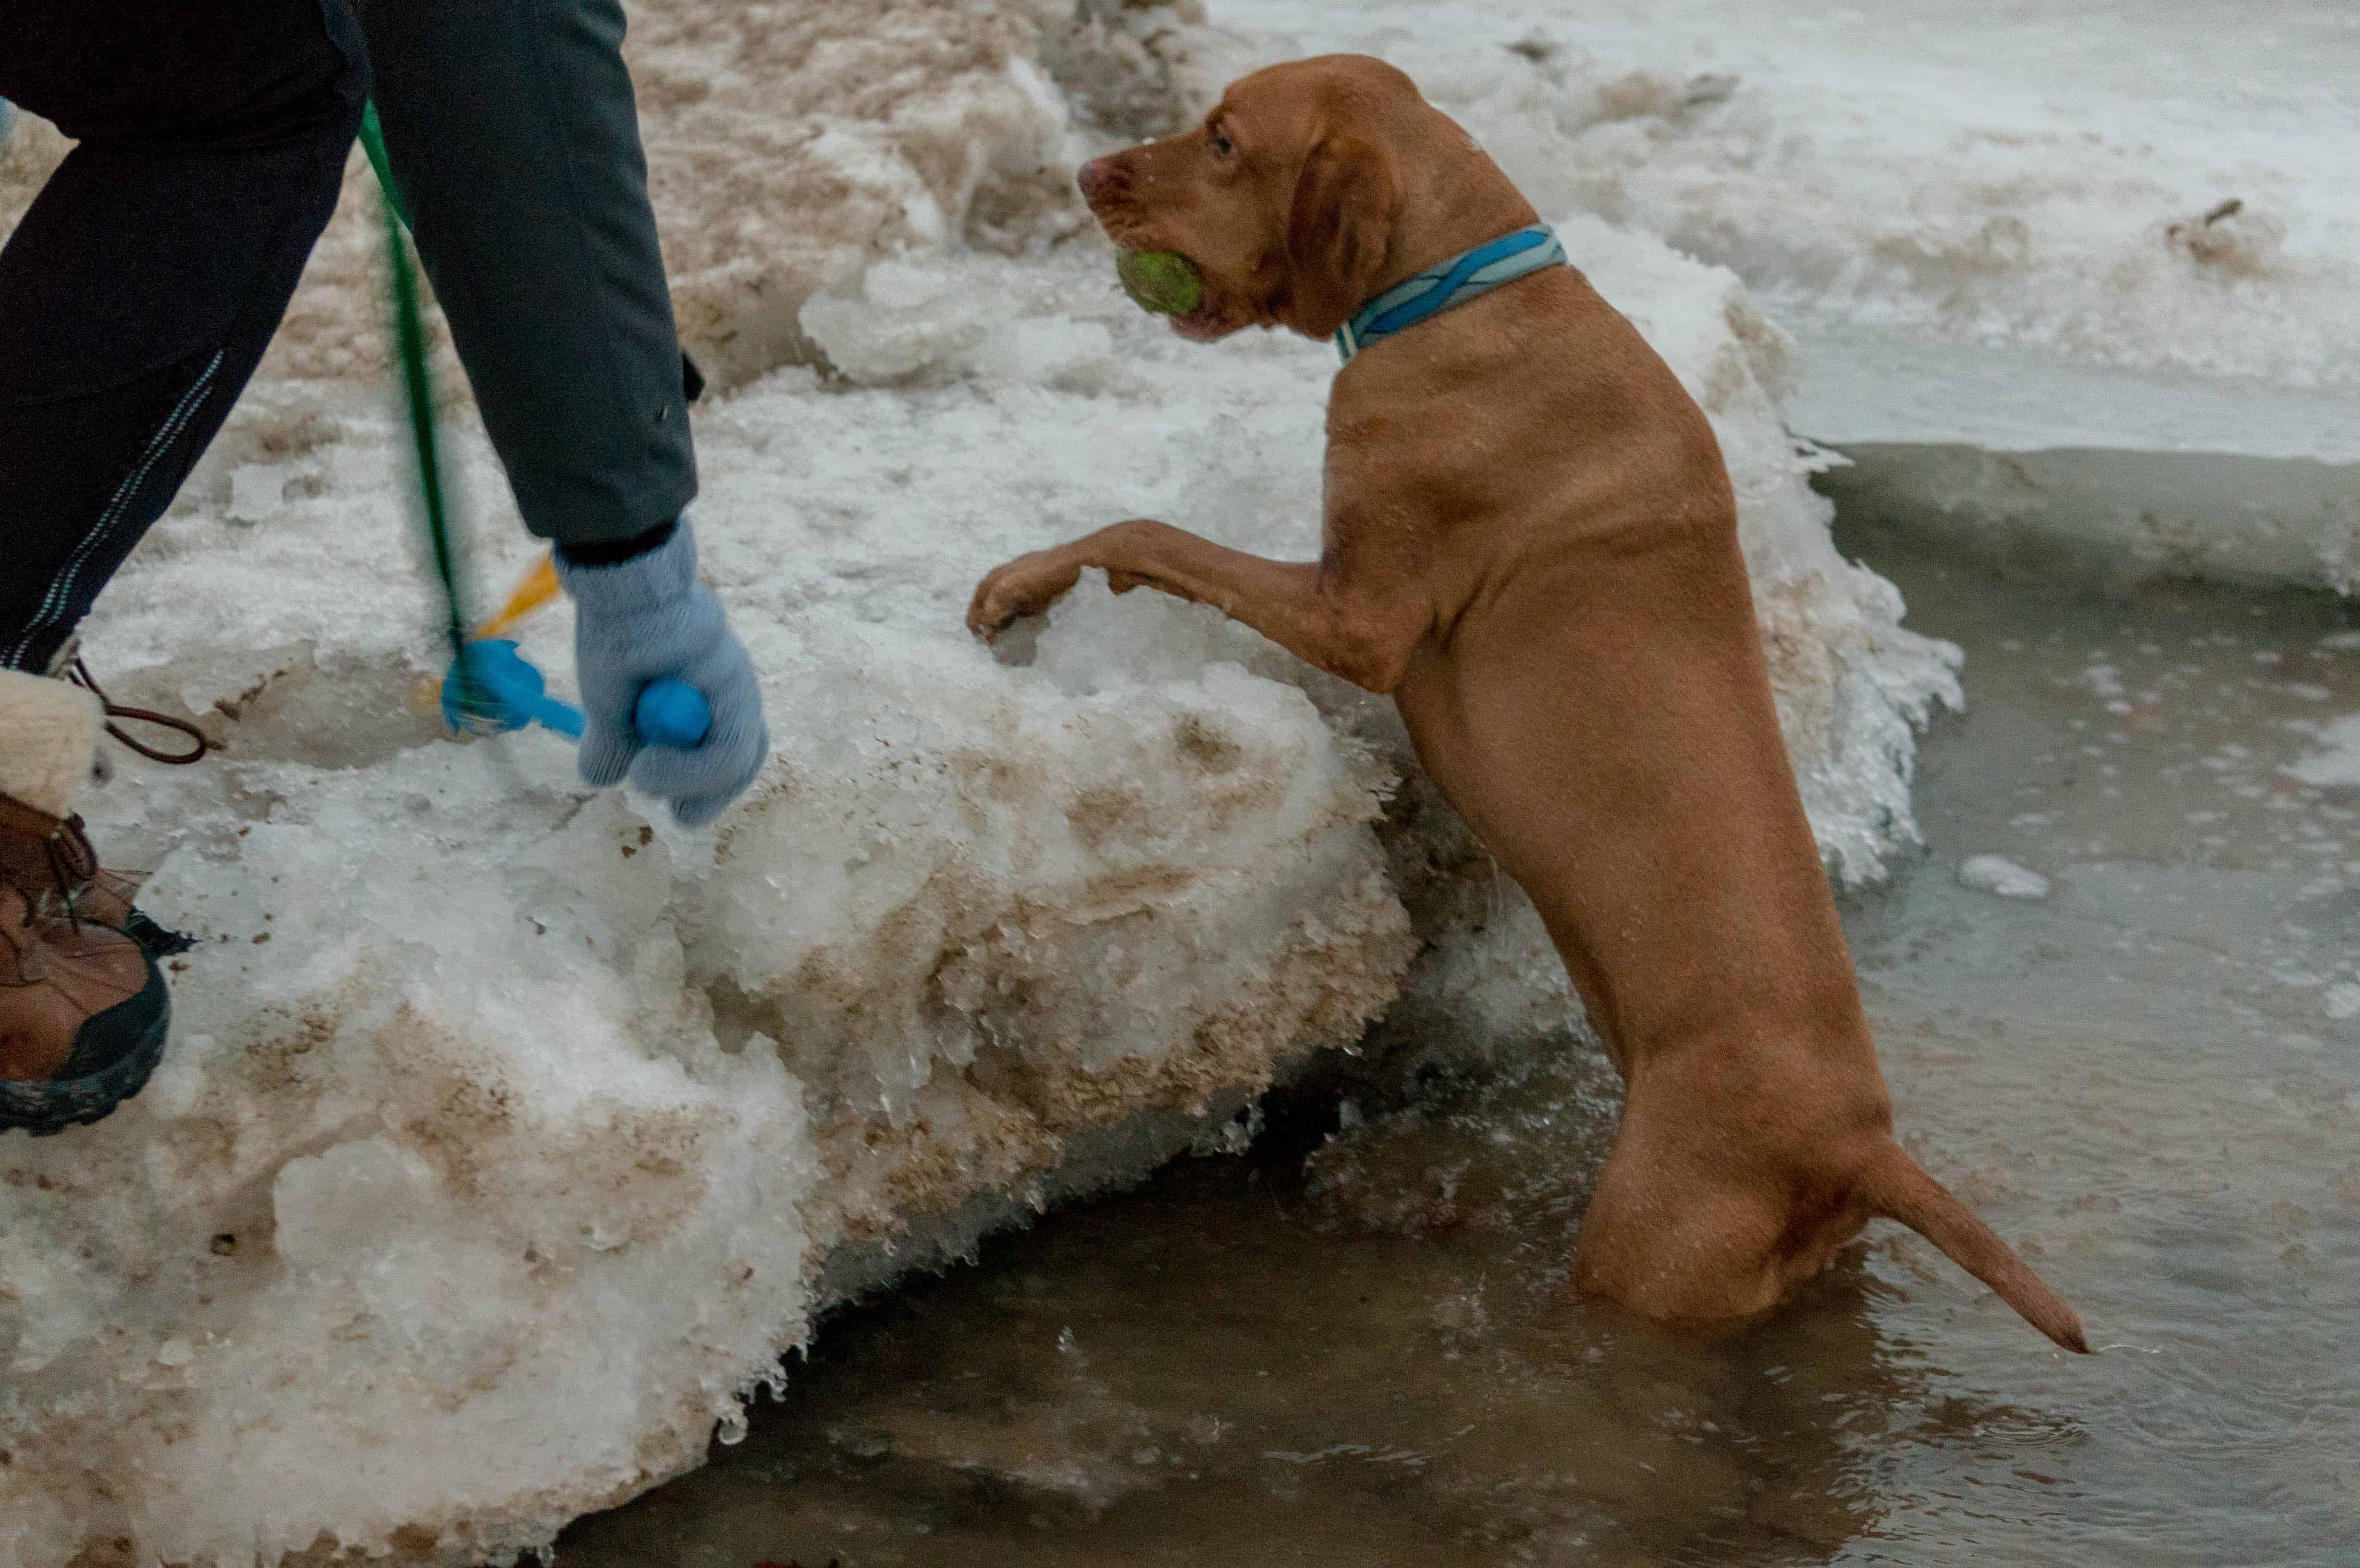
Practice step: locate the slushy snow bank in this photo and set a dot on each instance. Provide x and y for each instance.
(507, 1134)
(2129, 186)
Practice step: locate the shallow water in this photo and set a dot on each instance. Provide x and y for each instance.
(2150, 1081)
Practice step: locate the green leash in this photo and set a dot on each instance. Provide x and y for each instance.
(490, 687)
(410, 334)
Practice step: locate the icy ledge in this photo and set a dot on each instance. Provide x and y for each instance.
(507, 1139)
(2022, 455)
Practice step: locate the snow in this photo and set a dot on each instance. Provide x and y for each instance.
(1966, 172)
(508, 1133)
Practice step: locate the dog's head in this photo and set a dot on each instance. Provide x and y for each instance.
(1287, 198)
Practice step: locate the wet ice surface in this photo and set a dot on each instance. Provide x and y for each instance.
(2150, 1082)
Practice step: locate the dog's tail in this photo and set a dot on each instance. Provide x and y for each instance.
(1896, 1188)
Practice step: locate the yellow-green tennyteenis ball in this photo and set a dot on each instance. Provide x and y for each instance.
(1162, 281)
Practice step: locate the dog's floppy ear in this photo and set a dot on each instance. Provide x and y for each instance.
(1338, 232)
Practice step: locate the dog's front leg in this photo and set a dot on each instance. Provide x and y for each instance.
(1313, 609)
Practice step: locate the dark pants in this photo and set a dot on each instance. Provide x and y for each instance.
(144, 282)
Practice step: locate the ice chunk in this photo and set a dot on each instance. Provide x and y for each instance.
(2338, 767)
(256, 490)
(1995, 873)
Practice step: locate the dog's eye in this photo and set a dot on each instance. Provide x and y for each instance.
(1222, 146)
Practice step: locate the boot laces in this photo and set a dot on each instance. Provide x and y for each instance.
(66, 852)
(78, 673)
(72, 863)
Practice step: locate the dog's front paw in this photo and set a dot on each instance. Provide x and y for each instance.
(1025, 586)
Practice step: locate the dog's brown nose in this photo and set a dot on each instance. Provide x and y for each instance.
(1095, 177)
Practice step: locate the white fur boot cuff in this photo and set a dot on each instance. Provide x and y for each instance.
(48, 739)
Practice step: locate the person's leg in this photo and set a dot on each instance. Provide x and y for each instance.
(514, 137)
(144, 283)
(136, 297)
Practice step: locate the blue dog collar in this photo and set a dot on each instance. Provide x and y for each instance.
(1455, 282)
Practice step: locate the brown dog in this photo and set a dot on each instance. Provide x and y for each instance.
(1531, 545)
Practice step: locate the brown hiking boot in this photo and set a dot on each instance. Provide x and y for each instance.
(84, 1012)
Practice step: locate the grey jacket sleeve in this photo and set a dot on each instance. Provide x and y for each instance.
(514, 138)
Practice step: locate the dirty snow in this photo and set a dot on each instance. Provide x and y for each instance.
(488, 1172)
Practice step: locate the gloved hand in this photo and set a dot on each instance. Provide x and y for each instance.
(647, 619)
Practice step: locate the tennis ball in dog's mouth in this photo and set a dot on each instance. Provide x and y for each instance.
(1162, 281)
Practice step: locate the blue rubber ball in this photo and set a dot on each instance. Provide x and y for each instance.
(673, 713)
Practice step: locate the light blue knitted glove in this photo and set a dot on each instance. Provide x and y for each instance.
(649, 620)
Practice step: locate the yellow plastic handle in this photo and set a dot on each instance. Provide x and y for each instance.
(539, 587)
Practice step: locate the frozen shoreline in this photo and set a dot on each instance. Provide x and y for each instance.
(2024, 459)
(510, 1156)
